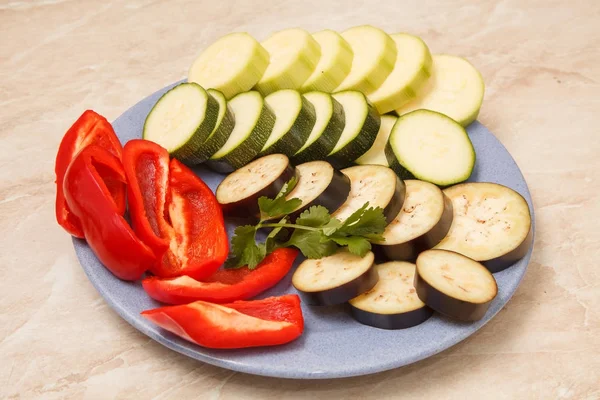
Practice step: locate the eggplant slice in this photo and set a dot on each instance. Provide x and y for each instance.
(334, 279)
(422, 223)
(393, 302)
(319, 184)
(454, 285)
(491, 224)
(238, 193)
(375, 184)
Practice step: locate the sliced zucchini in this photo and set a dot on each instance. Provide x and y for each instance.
(233, 64)
(422, 223)
(374, 58)
(334, 65)
(254, 122)
(238, 193)
(431, 147)
(360, 130)
(492, 224)
(455, 89)
(223, 127)
(181, 120)
(330, 122)
(294, 120)
(334, 279)
(393, 302)
(454, 285)
(410, 73)
(294, 54)
(319, 185)
(375, 184)
(376, 154)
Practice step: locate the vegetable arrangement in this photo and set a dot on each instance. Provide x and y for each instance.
(374, 202)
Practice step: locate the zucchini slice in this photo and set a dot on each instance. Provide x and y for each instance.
(223, 127)
(181, 120)
(376, 154)
(431, 147)
(492, 224)
(319, 185)
(410, 73)
(334, 279)
(254, 122)
(393, 302)
(294, 120)
(374, 58)
(334, 65)
(233, 64)
(455, 89)
(422, 223)
(238, 193)
(294, 54)
(362, 123)
(454, 285)
(330, 122)
(375, 184)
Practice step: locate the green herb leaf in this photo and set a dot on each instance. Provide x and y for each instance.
(271, 242)
(365, 221)
(279, 206)
(244, 248)
(315, 216)
(356, 244)
(310, 243)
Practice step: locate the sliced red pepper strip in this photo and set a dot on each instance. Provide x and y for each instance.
(86, 189)
(225, 285)
(146, 166)
(268, 322)
(90, 128)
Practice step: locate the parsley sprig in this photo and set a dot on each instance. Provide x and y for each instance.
(315, 232)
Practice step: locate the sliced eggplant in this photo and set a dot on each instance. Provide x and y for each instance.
(319, 184)
(454, 285)
(238, 193)
(422, 223)
(375, 184)
(393, 302)
(491, 224)
(334, 279)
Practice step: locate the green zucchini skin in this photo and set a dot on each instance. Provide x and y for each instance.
(361, 144)
(393, 163)
(221, 133)
(320, 149)
(249, 148)
(295, 138)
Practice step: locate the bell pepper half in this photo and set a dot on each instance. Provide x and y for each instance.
(92, 183)
(174, 212)
(225, 285)
(268, 322)
(90, 128)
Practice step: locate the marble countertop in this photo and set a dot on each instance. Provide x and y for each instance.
(541, 64)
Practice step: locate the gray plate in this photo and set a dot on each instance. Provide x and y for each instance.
(333, 344)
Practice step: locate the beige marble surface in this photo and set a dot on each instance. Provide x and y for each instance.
(541, 63)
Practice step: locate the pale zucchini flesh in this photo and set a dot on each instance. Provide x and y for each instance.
(374, 58)
(181, 120)
(376, 154)
(233, 64)
(294, 54)
(432, 147)
(410, 73)
(333, 66)
(456, 89)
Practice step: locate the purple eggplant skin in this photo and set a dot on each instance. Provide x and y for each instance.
(392, 321)
(507, 260)
(341, 294)
(448, 305)
(395, 205)
(408, 251)
(248, 207)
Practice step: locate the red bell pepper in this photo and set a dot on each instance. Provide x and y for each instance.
(268, 322)
(90, 128)
(225, 285)
(90, 184)
(174, 212)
